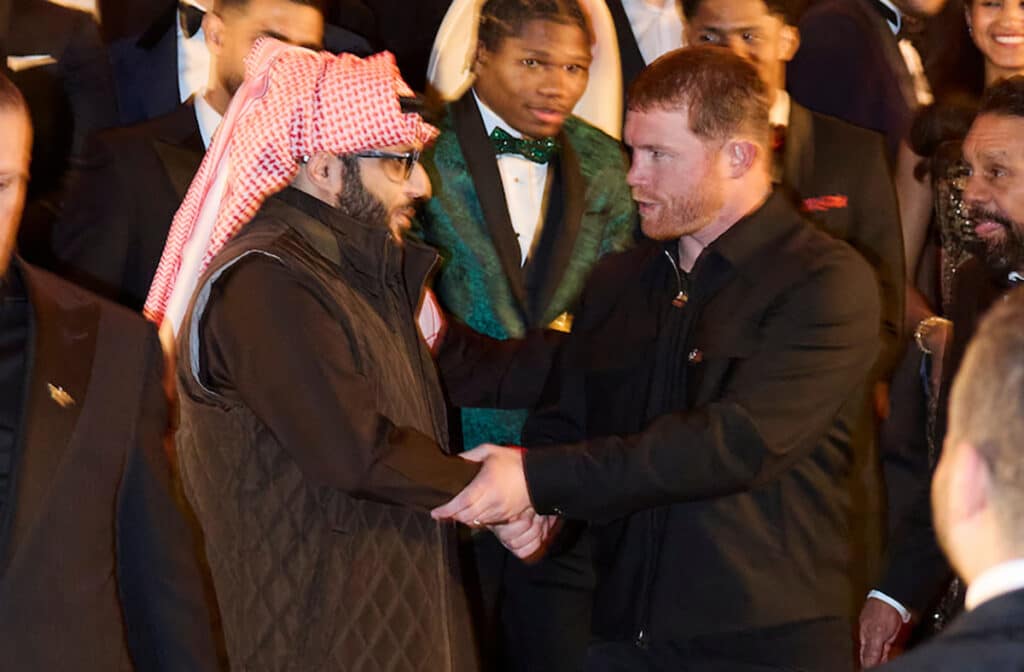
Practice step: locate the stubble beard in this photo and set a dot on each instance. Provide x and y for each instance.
(686, 214)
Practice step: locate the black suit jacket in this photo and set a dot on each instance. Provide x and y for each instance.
(146, 69)
(723, 502)
(146, 65)
(989, 638)
(121, 204)
(629, 51)
(97, 565)
(67, 99)
(917, 570)
(825, 158)
(849, 66)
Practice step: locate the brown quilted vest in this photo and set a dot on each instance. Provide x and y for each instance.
(310, 578)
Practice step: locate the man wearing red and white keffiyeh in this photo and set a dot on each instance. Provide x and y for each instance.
(293, 104)
(312, 438)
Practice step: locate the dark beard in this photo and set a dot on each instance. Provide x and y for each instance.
(999, 257)
(358, 203)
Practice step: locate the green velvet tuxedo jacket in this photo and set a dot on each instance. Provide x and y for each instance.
(481, 281)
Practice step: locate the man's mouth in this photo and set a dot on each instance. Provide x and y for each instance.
(548, 115)
(988, 224)
(405, 215)
(644, 205)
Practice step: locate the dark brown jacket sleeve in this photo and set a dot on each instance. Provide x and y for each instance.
(296, 368)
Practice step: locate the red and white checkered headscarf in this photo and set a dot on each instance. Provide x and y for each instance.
(293, 104)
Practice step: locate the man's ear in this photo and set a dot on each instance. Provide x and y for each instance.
(740, 156)
(789, 42)
(481, 56)
(970, 482)
(213, 32)
(323, 176)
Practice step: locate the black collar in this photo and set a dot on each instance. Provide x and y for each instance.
(11, 284)
(349, 242)
(892, 17)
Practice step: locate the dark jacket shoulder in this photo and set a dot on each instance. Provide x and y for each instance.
(989, 638)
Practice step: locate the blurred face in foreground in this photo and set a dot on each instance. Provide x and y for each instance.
(15, 155)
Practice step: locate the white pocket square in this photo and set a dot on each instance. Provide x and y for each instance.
(19, 63)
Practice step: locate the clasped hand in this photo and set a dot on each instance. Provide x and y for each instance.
(498, 498)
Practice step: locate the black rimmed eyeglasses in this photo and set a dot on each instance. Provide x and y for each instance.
(398, 165)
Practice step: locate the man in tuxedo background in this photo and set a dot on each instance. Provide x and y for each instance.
(978, 501)
(159, 55)
(99, 568)
(120, 207)
(852, 65)
(712, 379)
(839, 177)
(646, 29)
(55, 56)
(994, 151)
(527, 197)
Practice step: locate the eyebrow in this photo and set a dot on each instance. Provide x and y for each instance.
(994, 155)
(544, 53)
(721, 29)
(278, 36)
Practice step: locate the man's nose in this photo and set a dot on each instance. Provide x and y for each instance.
(975, 190)
(418, 184)
(738, 46)
(635, 175)
(556, 82)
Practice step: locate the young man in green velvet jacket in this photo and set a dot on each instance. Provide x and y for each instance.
(527, 198)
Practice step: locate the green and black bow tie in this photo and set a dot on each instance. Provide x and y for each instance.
(538, 151)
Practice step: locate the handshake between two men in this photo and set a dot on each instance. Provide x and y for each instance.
(498, 499)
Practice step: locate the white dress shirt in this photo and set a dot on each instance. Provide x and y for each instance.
(657, 26)
(992, 583)
(193, 58)
(207, 118)
(778, 115)
(524, 182)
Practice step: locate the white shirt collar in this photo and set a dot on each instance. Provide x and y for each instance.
(658, 28)
(999, 580)
(894, 27)
(193, 57)
(207, 118)
(778, 115)
(491, 118)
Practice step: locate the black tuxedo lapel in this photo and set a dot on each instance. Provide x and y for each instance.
(163, 22)
(629, 50)
(483, 168)
(798, 154)
(550, 257)
(62, 342)
(151, 67)
(889, 44)
(180, 148)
